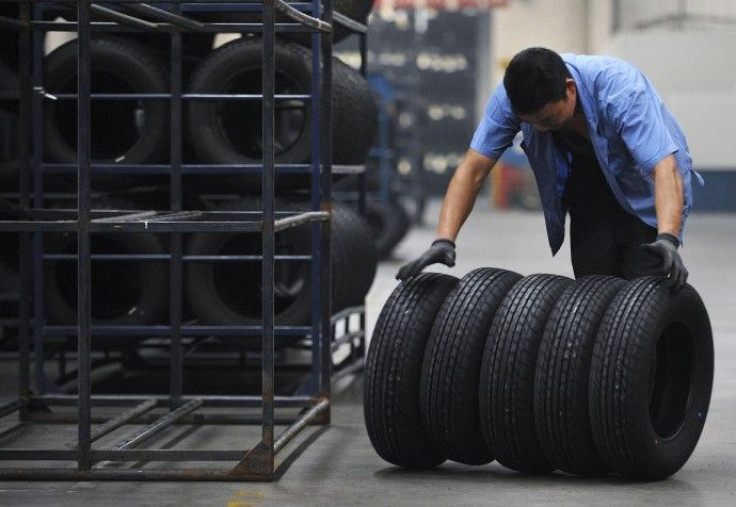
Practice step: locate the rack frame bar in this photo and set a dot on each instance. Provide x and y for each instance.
(256, 463)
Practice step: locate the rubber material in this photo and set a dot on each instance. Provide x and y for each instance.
(227, 132)
(452, 362)
(562, 373)
(229, 293)
(507, 377)
(122, 131)
(389, 223)
(354, 257)
(124, 293)
(392, 372)
(651, 379)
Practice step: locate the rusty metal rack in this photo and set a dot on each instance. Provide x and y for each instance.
(93, 425)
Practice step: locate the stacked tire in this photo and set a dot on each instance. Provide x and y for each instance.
(222, 131)
(136, 131)
(540, 373)
(132, 291)
(227, 293)
(229, 132)
(123, 131)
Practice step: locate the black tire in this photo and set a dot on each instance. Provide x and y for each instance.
(118, 66)
(389, 222)
(124, 293)
(352, 99)
(651, 379)
(227, 132)
(451, 367)
(229, 294)
(507, 375)
(393, 368)
(562, 375)
(354, 257)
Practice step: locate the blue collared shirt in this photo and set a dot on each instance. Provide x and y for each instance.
(630, 128)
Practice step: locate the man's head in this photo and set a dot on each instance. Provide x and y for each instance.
(540, 88)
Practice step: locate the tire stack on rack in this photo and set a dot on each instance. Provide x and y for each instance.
(227, 132)
(541, 373)
(132, 135)
(124, 133)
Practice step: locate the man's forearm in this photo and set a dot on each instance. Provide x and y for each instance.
(462, 193)
(668, 196)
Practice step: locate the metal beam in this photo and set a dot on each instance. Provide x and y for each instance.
(122, 419)
(137, 438)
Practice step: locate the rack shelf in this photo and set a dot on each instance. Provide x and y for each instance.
(99, 418)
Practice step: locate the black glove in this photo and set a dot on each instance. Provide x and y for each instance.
(672, 266)
(442, 250)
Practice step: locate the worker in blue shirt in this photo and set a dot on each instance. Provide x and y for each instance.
(603, 148)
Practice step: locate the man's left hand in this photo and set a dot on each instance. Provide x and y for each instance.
(665, 247)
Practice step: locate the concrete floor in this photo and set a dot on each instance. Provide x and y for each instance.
(339, 467)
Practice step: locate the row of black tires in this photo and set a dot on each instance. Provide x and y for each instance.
(540, 373)
(129, 131)
(217, 292)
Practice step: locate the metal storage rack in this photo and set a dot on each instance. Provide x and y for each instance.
(154, 415)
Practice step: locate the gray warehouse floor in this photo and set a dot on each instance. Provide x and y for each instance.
(339, 467)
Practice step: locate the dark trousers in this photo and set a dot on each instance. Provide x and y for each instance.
(604, 238)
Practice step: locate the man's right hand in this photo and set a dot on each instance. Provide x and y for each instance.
(442, 250)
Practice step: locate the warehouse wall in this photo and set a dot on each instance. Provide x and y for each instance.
(693, 71)
(556, 24)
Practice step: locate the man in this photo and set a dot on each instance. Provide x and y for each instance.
(603, 147)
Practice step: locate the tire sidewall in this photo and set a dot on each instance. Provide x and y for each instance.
(672, 452)
(216, 74)
(144, 77)
(205, 298)
(152, 302)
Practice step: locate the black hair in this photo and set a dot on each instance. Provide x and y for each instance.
(534, 78)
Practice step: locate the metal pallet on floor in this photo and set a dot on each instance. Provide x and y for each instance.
(94, 425)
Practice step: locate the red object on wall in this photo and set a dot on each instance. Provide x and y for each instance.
(443, 4)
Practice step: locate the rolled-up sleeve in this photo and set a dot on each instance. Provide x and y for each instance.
(497, 128)
(640, 122)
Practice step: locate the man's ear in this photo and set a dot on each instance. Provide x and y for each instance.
(572, 89)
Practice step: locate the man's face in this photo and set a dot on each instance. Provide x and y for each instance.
(554, 115)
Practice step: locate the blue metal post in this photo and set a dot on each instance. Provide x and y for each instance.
(176, 367)
(83, 239)
(268, 234)
(325, 104)
(38, 267)
(24, 188)
(312, 385)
